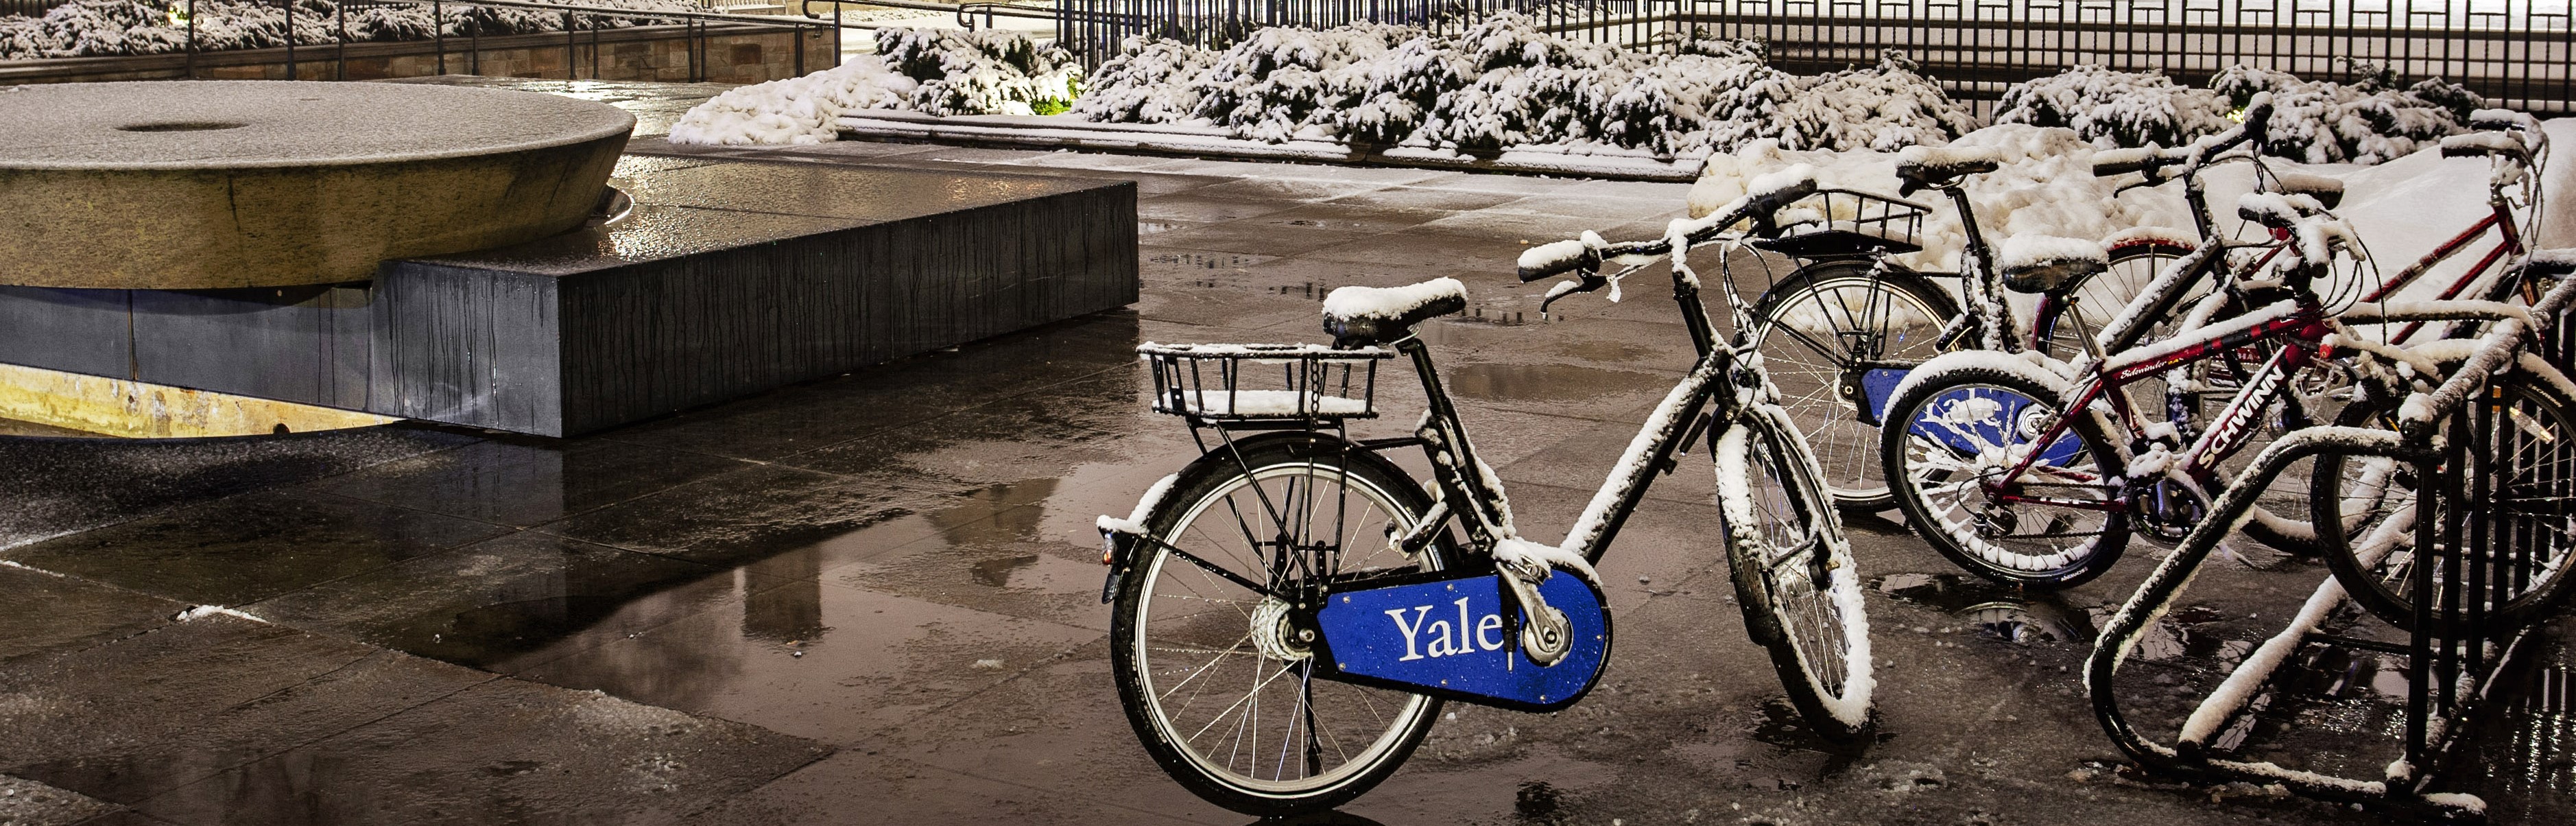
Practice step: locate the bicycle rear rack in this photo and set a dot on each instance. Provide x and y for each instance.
(2452, 655)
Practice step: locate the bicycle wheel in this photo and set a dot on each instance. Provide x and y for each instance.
(1794, 575)
(2101, 298)
(1212, 674)
(1818, 330)
(2531, 480)
(1950, 433)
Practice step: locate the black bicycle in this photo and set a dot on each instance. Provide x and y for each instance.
(1292, 608)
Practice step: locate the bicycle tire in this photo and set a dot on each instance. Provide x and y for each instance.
(2100, 298)
(1810, 376)
(2359, 505)
(1202, 489)
(1777, 518)
(1957, 529)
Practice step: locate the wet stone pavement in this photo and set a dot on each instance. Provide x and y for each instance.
(874, 598)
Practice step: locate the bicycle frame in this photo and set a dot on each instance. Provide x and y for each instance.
(1672, 428)
(2300, 330)
(2509, 244)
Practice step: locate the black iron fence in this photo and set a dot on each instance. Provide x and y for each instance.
(2517, 53)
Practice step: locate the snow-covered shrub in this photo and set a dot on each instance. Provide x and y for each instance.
(797, 109)
(98, 28)
(981, 72)
(1887, 107)
(2370, 121)
(1280, 81)
(1152, 80)
(1504, 82)
(2114, 108)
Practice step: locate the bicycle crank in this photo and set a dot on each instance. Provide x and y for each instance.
(1466, 638)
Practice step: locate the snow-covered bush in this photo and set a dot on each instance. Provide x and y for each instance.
(1503, 82)
(2113, 108)
(987, 72)
(2366, 122)
(1152, 80)
(1886, 108)
(100, 28)
(797, 109)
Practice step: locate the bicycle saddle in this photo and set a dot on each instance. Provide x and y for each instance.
(2046, 263)
(2497, 144)
(1925, 167)
(2327, 191)
(1369, 316)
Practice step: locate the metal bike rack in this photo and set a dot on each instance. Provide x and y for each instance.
(2450, 664)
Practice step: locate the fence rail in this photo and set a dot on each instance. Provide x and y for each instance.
(2517, 53)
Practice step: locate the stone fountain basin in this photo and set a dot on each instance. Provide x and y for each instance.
(187, 185)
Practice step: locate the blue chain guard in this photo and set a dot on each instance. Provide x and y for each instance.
(1876, 385)
(1970, 437)
(1415, 636)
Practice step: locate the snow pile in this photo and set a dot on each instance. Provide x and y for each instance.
(794, 110)
(2045, 186)
(98, 28)
(2113, 108)
(1504, 83)
(981, 72)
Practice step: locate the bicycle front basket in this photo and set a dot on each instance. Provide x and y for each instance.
(1239, 382)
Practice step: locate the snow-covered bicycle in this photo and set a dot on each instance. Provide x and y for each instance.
(1843, 328)
(2008, 484)
(1292, 608)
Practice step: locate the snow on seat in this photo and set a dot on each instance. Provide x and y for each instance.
(2045, 263)
(2327, 191)
(1364, 316)
(2498, 144)
(2550, 263)
(1922, 167)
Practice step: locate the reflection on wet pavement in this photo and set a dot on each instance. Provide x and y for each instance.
(875, 597)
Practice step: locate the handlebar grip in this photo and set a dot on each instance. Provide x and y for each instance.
(1556, 258)
(2114, 162)
(2258, 116)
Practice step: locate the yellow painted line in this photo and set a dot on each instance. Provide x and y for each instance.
(133, 409)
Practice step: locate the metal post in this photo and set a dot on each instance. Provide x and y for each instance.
(474, 42)
(437, 32)
(290, 39)
(837, 32)
(340, 40)
(191, 71)
(572, 49)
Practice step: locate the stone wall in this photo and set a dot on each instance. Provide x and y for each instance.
(723, 54)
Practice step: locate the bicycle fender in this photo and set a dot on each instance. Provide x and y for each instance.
(1447, 635)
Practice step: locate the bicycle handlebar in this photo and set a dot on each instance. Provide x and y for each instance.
(2153, 162)
(1771, 194)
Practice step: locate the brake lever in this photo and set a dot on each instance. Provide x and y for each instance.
(1590, 281)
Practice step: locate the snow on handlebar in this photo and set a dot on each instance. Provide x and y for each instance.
(1764, 195)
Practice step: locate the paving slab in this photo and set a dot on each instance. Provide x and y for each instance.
(76, 613)
(503, 751)
(251, 546)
